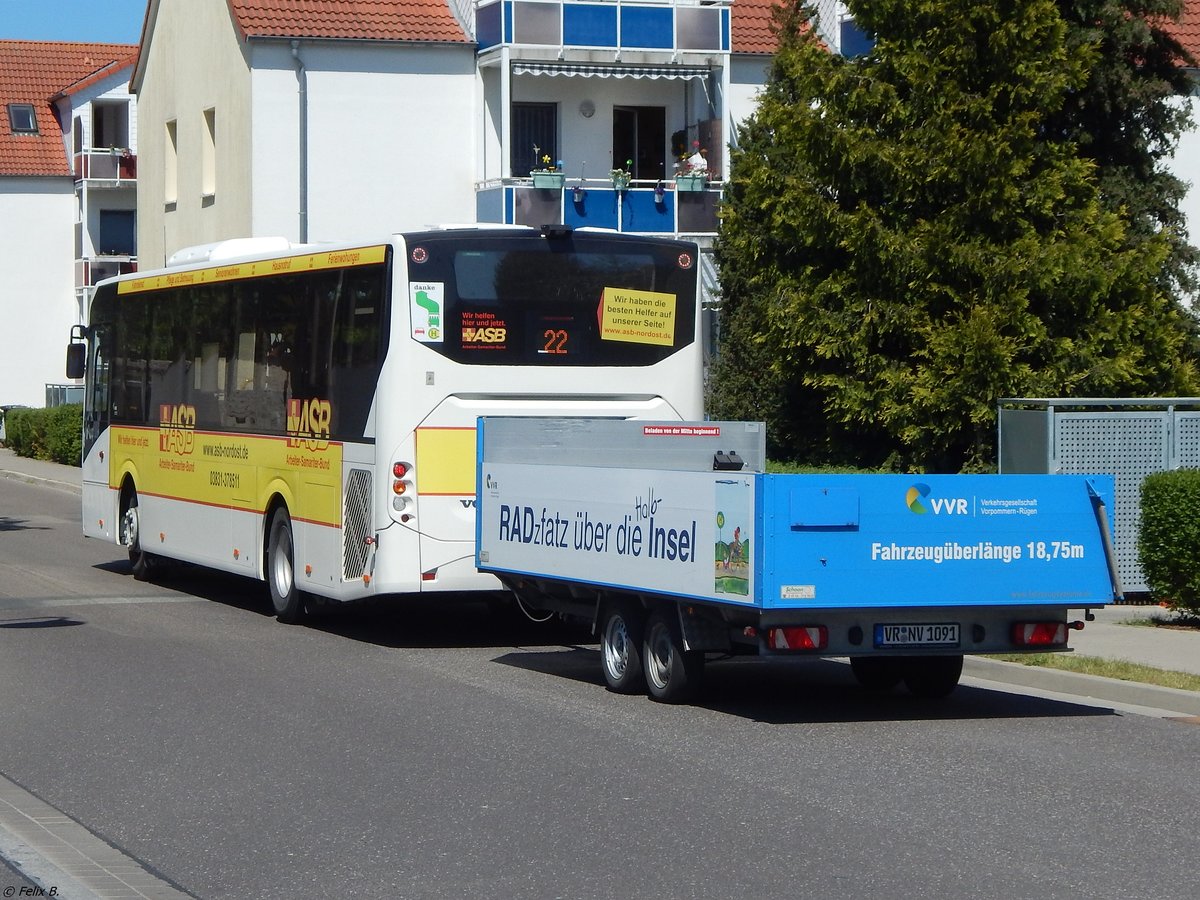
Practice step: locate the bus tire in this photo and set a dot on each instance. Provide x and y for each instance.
(623, 626)
(932, 677)
(673, 674)
(877, 673)
(287, 600)
(141, 562)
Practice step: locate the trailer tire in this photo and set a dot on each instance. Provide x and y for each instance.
(673, 674)
(287, 599)
(623, 627)
(877, 673)
(932, 677)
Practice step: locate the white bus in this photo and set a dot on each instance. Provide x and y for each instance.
(305, 415)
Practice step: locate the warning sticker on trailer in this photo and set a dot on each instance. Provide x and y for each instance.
(682, 430)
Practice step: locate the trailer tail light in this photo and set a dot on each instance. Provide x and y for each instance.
(1039, 634)
(798, 637)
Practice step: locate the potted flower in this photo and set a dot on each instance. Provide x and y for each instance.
(622, 177)
(550, 176)
(691, 171)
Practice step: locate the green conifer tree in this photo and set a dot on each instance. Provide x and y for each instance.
(905, 241)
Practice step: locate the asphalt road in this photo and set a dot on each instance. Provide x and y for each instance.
(432, 749)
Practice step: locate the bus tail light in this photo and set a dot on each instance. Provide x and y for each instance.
(401, 486)
(1039, 634)
(798, 637)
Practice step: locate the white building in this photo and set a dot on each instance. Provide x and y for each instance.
(380, 116)
(67, 198)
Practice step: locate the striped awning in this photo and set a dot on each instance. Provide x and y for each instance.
(594, 71)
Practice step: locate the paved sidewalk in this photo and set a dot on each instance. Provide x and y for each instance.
(1109, 636)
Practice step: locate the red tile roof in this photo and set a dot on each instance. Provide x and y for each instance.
(375, 20)
(1187, 29)
(33, 72)
(751, 31)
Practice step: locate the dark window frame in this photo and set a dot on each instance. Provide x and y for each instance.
(22, 108)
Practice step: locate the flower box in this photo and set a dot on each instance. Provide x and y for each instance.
(621, 182)
(697, 182)
(551, 181)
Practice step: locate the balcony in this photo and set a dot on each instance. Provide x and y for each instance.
(646, 207)
(113, 167)
(91, 270)
(673, 26)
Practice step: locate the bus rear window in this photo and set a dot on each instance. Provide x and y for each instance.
(587, 300)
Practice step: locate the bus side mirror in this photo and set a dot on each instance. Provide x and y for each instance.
(76, 360)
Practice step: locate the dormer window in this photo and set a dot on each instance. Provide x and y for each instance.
(22, 118)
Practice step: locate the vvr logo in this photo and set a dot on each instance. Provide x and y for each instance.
(919, 502)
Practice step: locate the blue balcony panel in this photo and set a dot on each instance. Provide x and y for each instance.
(642, 212)
(597, 209)
(488, 27)
(589, 26)
(647, 28)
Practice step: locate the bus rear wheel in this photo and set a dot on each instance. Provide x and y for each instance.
(286, 599)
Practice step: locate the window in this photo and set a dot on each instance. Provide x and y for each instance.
(533, 125)
(22, 118)
(118, 233)
(171, 166)
(208, 155)
(640, 135)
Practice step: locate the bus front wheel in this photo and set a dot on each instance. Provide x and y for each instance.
(140, 561)
(286, 599)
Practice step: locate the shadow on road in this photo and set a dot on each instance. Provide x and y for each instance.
(41, 622)
(788, 692)
(7, 523)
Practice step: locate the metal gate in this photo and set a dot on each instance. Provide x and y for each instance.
(1128, 439)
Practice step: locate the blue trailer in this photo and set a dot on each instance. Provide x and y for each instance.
(671, 539)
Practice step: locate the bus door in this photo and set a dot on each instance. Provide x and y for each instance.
(99, 511)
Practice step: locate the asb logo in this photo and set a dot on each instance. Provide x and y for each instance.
(484, 335)
(920, 502)
(176, 428)
(308, 423)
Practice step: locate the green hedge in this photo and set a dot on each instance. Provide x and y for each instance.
(1169, 539)
(55, 434)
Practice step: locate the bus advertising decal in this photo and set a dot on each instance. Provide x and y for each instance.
(176, 428)
(637, 317)
(427, 303)
(483, 331)
(308, 423)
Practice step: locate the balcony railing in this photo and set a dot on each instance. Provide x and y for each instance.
(698, 25)
(91, 270)
(115, 166)
(646, 207)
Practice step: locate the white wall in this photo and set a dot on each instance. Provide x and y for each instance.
(391, 138)
(1186, 165)
(37, 305)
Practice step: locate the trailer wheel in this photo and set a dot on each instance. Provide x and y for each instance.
(621, 636)
(673, 674)
(932, 677)
(877, 673)
(286, 599)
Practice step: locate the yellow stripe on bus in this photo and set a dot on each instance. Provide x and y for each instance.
(446, 461)
(309, 262)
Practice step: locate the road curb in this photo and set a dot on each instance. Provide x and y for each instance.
(1093, 687)
(44, 482)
